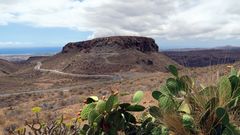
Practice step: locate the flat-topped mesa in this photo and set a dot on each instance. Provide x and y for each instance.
(142, 44)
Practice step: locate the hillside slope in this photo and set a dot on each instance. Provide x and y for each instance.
(109, 55)
(7, 67)
(205, 57)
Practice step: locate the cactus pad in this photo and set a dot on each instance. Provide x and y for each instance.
(86, 110)
(101, 105)
(137, 97)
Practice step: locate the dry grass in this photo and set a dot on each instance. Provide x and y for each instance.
(68, 103)
(174, 123)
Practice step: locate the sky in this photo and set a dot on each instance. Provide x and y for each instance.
(172, 23)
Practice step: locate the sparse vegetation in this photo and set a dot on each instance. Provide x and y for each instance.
(184, 108)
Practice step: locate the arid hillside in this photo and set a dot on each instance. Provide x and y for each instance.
(205, 57)
(59, 84)
(81, 61)
(109, 55)
(7, 67)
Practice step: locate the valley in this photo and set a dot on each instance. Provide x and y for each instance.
(59, 84)
(205, 57)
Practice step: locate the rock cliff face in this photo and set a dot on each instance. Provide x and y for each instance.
(142, 44)
(109, 55)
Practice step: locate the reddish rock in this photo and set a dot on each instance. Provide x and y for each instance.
(110, 55)
(142, 44)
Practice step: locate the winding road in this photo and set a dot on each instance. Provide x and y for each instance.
(112, 77)
(38, 68)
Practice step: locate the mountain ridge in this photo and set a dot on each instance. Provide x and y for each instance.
(143, 44)
(109, 55)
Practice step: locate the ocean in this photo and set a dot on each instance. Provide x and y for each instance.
(30, 51)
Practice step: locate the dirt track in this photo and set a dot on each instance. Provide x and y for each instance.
(112, 77)
(38, 67)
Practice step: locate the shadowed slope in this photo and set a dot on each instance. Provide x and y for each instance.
(109, 55)
(7, 67)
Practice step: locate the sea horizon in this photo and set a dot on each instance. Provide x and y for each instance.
(30, 51)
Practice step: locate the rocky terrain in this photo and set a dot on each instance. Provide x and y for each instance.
(109, 55)
(59, 84)
(205, 57)
(7, 68)
(109, 44)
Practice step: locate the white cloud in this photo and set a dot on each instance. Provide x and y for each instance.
(12, 44)
(171, 19)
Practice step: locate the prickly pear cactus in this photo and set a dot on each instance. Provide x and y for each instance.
(188, 121)
(137, 97)
(110, 116)
(183, 109)
(173, 70)
(86, 110)
(101, 106)
(111, 102)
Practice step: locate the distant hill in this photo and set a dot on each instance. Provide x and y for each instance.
(183, 49)
(7, 67)
(205, 57)
(227, 47)
(35, 59)
(109, 55)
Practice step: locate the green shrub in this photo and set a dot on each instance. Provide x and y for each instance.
(183, 109)
(204, 110)
(111, 116)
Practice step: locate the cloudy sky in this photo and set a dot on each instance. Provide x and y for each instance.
(172, 23)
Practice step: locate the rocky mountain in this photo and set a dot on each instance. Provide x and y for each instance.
(226, 47)
(109, 55)
(142, 44)
(206, 57)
